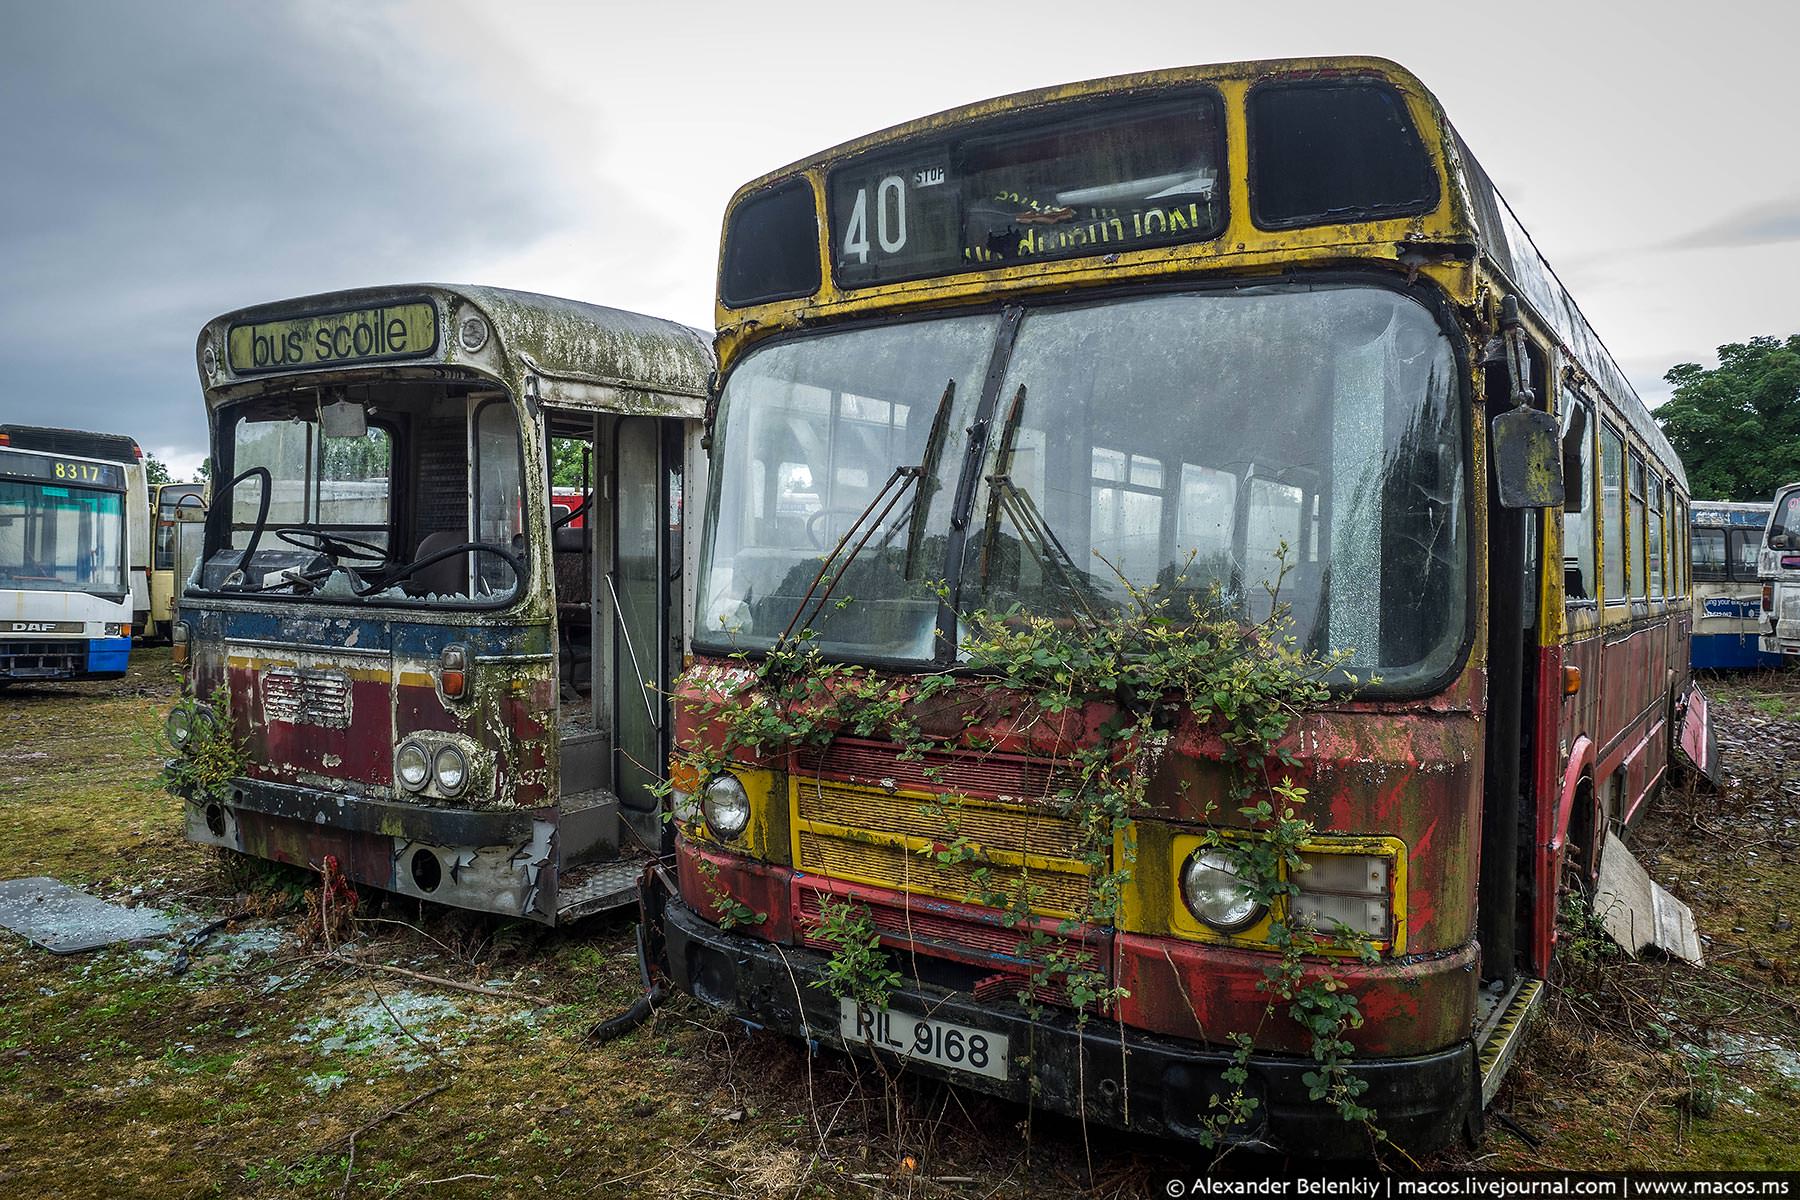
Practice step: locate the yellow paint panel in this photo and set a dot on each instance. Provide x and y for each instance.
(329, 339)
(1182, 923)
(248, 662)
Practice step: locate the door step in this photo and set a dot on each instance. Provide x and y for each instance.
(596, 887)
(1501, 1032)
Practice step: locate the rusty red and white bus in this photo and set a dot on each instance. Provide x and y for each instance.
(434, 682)
(1192, 315)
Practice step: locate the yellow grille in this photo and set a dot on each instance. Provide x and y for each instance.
(999, 826)
(884, 838)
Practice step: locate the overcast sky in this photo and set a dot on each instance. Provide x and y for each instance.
(162, 163)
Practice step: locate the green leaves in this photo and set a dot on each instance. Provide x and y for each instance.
(1737, 425)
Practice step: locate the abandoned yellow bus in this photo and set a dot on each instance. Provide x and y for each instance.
(431, 678)
(1202, 333)
(177, 511)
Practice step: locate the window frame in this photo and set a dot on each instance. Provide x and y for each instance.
(1612, 554)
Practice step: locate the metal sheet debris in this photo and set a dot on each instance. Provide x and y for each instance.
(1637, 911)
(66, 920)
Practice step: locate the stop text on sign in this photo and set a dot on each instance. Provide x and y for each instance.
(407, 330)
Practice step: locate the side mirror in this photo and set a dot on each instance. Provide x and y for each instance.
(1528, 468)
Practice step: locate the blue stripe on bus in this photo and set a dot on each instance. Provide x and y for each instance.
(1730, 652)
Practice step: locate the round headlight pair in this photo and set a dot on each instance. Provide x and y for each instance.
(1214, 893)
(179, 726)
(183, 722)
(726, 805)
(413, 766)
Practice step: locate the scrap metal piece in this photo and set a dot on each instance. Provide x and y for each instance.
(65, 920)
(1696, 742)
(1637, 912)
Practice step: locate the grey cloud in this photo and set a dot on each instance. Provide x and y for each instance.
(1760, 225)
(164, 163)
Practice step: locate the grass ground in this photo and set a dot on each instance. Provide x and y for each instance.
(263, 1066)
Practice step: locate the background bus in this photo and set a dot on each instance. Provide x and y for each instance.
(65, 591)
(430, 685)
(1778, 566)
(1726, 538)
(180, 510)
(1158, 327)
(110, 448)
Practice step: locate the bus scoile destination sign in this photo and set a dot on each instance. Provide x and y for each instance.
(392, 331)
(1097, 180)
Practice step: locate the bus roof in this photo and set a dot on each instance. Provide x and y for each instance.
(584, 346)
(112, 447)
(1474, 216)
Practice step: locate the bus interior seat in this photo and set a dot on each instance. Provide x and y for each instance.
(446, 577)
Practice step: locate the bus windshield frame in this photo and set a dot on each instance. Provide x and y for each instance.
(953, 524)
(362, 545)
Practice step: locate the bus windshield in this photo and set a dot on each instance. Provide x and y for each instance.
(61, 538)
(410, 493)
(1195, 442)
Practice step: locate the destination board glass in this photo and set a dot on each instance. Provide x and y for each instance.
(73, 472)
(391, 331)
(1074, 179)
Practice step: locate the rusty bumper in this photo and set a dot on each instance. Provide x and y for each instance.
(499, 862)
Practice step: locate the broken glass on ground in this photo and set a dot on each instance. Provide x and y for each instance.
(64, 920)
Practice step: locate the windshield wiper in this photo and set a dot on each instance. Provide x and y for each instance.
(906, 477)
(1035, 534)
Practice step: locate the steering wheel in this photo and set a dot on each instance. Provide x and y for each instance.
(813, 524)
(350, 548)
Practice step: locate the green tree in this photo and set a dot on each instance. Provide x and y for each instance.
(1737, 426)
(565, 462)
(155, 472)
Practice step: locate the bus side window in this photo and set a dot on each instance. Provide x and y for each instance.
(1639, 561)
(1656, 538)
(1612, 511)
(1744, 546)
(1709, 553)
(1578, 512)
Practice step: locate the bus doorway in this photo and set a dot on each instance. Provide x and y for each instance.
(618, 508)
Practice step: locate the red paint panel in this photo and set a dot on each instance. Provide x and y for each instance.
(757, 886)
(279, 750)
(1187, 990)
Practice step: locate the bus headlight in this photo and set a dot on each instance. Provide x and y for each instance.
(179, 726)
(727, 806)
(411, 766)
(1211, 889)
(451, 770)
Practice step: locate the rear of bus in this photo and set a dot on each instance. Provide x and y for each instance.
(65, 593)
(1778, 567)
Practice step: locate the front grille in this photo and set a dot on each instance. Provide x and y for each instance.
(889, 838)
(42, 660)
(302, 696)
(1012, 776)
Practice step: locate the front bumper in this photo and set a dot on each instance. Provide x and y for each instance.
(1124, 1079)
(500, 862)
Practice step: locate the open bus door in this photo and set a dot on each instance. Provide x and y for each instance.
(618, 555)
